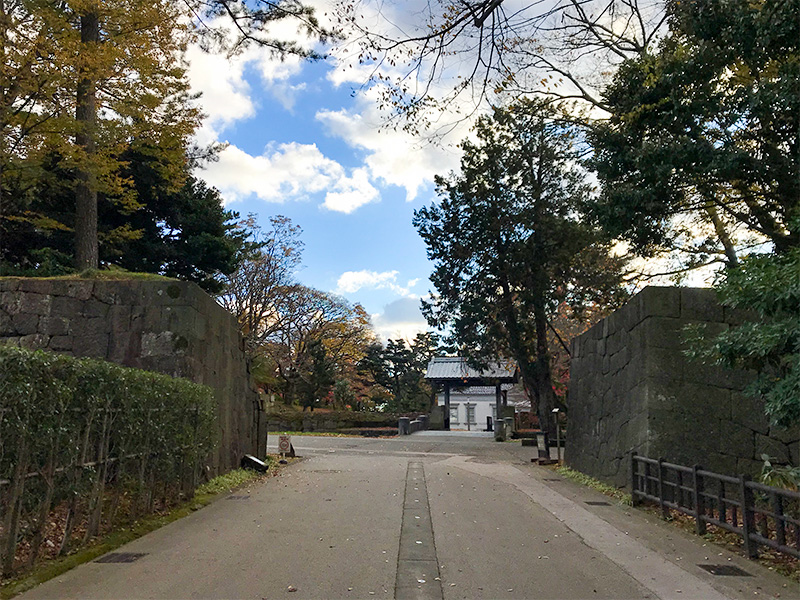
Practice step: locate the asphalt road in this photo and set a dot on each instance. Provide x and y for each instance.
(427, 516)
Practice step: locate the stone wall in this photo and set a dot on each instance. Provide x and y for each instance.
(169, 326)
(632, 389)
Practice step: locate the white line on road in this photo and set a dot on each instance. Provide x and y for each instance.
(663, 578)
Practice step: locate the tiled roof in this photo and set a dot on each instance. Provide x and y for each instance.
(456, 367)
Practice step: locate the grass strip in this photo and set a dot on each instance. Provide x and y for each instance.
(204, 495)
(772, 559)
(603, 488)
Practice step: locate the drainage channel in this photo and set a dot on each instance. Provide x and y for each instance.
(417, 566)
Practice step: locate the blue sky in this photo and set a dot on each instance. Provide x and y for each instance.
(305, 141)
(303, 145)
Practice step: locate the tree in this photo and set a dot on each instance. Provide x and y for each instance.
(458, 54)
(704, 131)
(769, 286)
(179, 231)
(399, 368)
(81, 78)
(509, 244)
(257, 290)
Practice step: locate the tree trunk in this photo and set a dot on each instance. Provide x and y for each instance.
(86, 248)
(546, 397)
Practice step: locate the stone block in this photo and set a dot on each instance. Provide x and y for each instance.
(65, 306)
(785, 435)
(120, 318)
(664, 332)
(719, 463)
(92, 326)
(11, 302)
(157, 344)
(54, 325)
(736, 440)
(35, 341)
(658, 302)
(94, 346)
(60, 343)
(746, 466)
(665, 364)
(749, 412)
(105, 292)
(35, 304)
(5, 323)
(94, 309)
(701, 304)
(33, 285)
(78, 289)
(25, 323)
(9, 284)
(772, 448)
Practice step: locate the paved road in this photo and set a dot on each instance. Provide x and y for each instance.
(428, 516)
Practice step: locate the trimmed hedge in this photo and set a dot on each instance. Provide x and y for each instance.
(98, 440)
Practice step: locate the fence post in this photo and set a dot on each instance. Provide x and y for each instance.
(748, 522)
(664, 509)
(634, 483)
(780, 524)
(699, 502)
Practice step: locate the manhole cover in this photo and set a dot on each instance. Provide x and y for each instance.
(595, 503)
(725, 570)
(238, 497)
(121, 557)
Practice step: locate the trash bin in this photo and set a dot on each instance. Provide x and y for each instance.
(404, 426)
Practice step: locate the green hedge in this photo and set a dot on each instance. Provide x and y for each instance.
(94, 439)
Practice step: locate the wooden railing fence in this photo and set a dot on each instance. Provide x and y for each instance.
(761, 514)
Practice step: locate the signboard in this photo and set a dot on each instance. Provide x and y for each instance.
(284, 444)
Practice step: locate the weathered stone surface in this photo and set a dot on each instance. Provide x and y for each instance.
(168, 326)
(700, 304)
(25, 323)
(652, 399)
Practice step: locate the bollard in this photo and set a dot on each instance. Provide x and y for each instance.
(500, 430)
(404, 426)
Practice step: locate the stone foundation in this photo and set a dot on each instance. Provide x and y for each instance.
(632, 389)
(168, 326)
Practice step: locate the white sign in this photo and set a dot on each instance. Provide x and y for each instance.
(284, 443)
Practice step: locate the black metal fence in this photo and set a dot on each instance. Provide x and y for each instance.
(761, 514)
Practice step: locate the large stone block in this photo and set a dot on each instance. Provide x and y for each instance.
(772, 448)
(92, 346)
(24, 323)
(699, 304)
(54, 325)
(658, 302)
(737, 440)
(749, 412)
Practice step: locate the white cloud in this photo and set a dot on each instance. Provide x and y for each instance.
(226, 96)
(400, 319)
(352, 281)
(351, 192)
(394, 157)
(286, 172)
